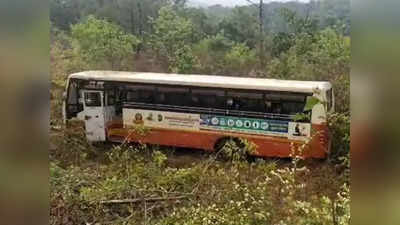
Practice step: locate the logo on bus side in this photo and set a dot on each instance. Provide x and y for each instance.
(244, 124)
(256, 125)
(215, 121)
(264, 125)
(239, 123)
(138, 119)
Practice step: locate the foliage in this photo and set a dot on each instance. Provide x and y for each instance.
(282, 42)
(240, 26)
(140, 129)
(297, 26)
(311, 102)
(100, 42)
(235, 149)
(215, 40)
(324, 56)
(133, 15)
(240, 59)
(72, 147)
(172, 38)
(204, 24)
(159, 158)
(182, 61)
(210, 54)
(217, 192)
(339, 126)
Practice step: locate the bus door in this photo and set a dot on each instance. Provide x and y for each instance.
(94, 115)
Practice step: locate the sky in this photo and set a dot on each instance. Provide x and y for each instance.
(232, 2)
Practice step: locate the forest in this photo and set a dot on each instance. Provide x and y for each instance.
(90, 184)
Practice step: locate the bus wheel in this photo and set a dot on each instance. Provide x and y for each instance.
(230, 149)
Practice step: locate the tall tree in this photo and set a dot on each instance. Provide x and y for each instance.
(240, 26)
(100, 42)
(172, 39)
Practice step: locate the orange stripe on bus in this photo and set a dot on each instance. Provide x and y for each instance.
(267, 146)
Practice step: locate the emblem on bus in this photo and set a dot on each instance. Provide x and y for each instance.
(264, 125)
(256, 125)
(239, 123)
(150, 117)
(215, 121)
(138, 118)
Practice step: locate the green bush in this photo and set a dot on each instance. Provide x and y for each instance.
(210, 53)
(215, 192)
(172, 39)
(182, 60)
(339, 126)
(323, 56)
(101, 43)
(240, 60)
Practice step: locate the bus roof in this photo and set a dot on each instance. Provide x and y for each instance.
(204, 81)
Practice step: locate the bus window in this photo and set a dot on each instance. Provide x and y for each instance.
(132, 96)
(208, 98)
(286, 103)
(292, 108)
(92, 99)
(140, 94)
(286, 97)
(245, 101)
(172, 96)
(73, 94)
(146, 96)
(72, 103)
(277, 108)
(268, 106)
(110, 97)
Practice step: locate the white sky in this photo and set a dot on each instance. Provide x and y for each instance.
(235, 2)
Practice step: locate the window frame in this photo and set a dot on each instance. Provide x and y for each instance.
(100, 98)
(123, 87)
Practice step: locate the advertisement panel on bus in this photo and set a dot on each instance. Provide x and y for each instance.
(198, 122)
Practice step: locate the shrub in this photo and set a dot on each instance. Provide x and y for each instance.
(100, 42)
(182, 60)
(323, 56)
(339, 125)
(210, 53)
(172, 39)
(240, 60)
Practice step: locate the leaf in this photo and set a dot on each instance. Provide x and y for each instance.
(311, 102)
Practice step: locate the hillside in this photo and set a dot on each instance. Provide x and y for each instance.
(137, 183)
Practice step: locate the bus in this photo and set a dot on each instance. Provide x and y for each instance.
(201, 111)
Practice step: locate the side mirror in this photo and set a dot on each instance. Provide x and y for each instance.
(64, 96)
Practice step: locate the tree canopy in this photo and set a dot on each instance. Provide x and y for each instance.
(99, 41)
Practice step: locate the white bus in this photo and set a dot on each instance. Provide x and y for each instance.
(200, 111)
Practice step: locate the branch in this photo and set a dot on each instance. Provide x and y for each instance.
(251, 2)
(138, 200)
